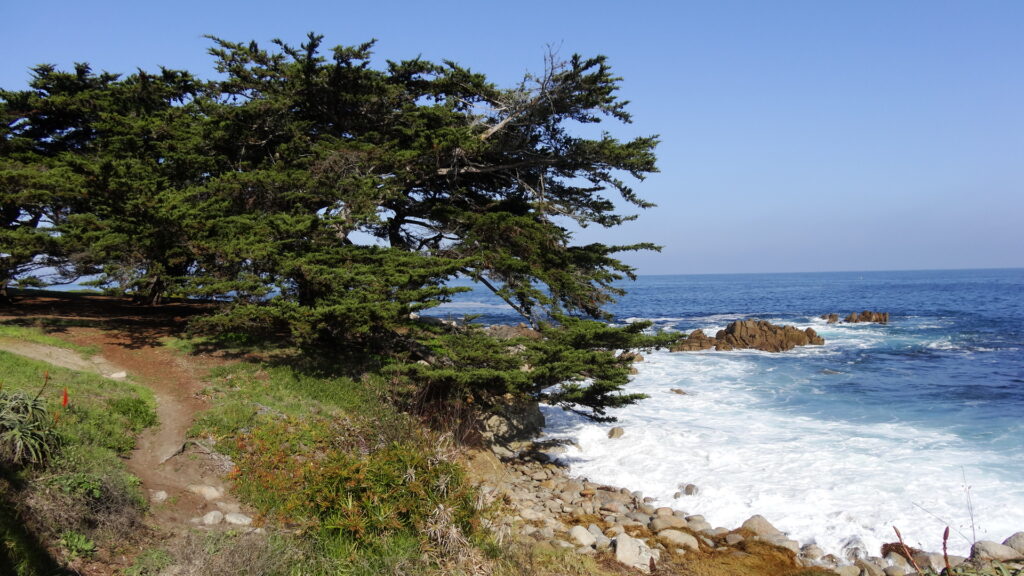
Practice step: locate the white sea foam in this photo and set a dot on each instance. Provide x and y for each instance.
(828, 481)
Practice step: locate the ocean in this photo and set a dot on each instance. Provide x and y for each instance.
(917, 424)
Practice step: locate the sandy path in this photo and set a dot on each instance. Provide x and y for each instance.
(174, 477)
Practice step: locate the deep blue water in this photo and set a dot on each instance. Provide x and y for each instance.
(911, 409)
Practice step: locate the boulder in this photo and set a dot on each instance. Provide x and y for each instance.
(582, 536)
(697, 340)
(867, 316)
(678, 539)
(207, 492)
(756, 334)
(512, 420)
(666, 522)
(1016, 542)
(868, 568)
(762, 335)
(616, 432)
(830, 318)
(634, 553)
(988, 550)
(811, 552)
(212, 518)
(237, 519)
(505, 332)
(761, 526)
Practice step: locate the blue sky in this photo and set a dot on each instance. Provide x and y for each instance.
(796, 135)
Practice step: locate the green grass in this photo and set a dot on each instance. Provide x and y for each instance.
(82, 498)
(330, 455)
(40, 336)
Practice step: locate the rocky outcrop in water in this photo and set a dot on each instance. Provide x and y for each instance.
(753, 334)
(867, 316)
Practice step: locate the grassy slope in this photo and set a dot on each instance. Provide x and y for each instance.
(82, 498)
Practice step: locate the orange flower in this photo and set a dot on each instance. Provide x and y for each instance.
(64, 400)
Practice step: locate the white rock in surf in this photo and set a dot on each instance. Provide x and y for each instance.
(761, 526)
(1016, 542)
(988, 550)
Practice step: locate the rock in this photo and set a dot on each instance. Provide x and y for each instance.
(934, 562)
(756, 334)
(830, 318)
(582, 536)
(1016, 542)
(847, 570)
(631, 357)
(867, 316)
(212, 518)
(829, 560)
(697, 340)
(505, 332)
(894, 571)
(666, 522)
(678, 539)
(679, 391)
(603, 542)
(157, 496)
(868, 568)
(616, 432)
(733, 539)
(897, 560)
(689, 489)
(811, 552)
(512, 420)
(208, 492)
(634, 553)
(663, 511)
(227, 507)
(699, 525)
(531, 515)
(988, 550)
(237, 519)
(787, 543)
(761, 526)
(118, 375)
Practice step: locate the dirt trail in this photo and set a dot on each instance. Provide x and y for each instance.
(184, 481)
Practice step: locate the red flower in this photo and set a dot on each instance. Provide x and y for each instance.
(64, 400)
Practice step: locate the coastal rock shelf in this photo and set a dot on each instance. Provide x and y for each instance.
(866, 316)
(546, 507)
(755, 334)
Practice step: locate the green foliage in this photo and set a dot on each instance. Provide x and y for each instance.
(77, 545)
(82, 490)
(79, 484)
(149, 563)
(41, 336)
(138, 413)
(328, 455)
(325, 200)
(26, 429)
(576, 365)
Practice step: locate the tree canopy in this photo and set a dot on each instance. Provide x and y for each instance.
(327, 201)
